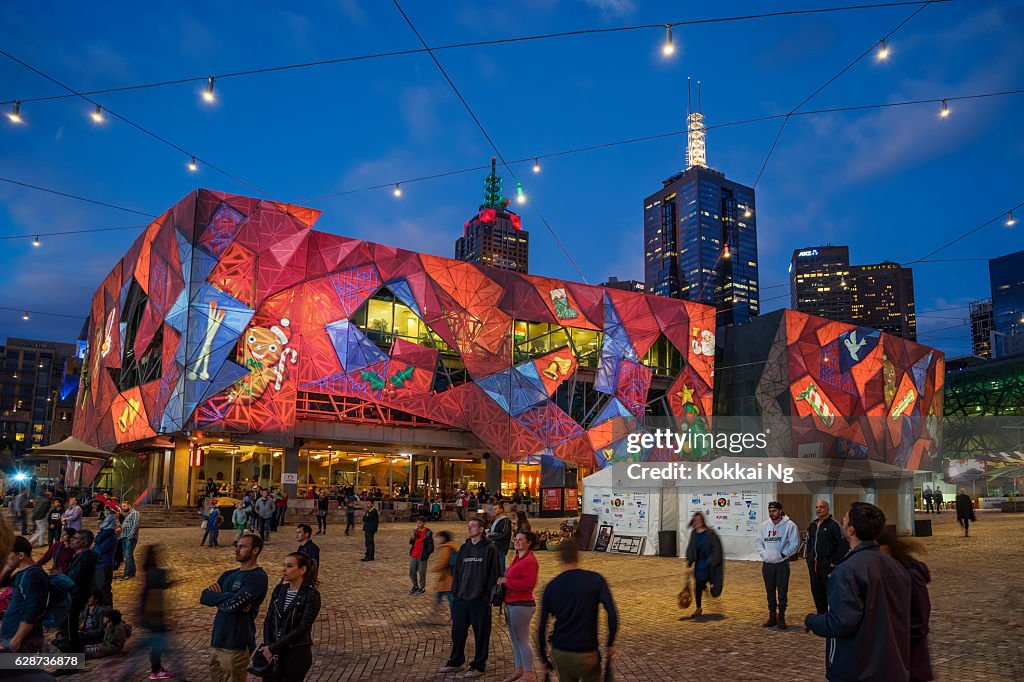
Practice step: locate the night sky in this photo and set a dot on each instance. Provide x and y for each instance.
(892, 184)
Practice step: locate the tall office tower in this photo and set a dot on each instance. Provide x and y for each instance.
(883, 298)
(700, 235)
(1006, 275)
(981, 328)
(31, 383)
(819, 282)
(624, 284)
(495, 235)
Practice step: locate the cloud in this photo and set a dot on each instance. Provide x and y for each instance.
(611, 9)
(353, 12)
(419, 111)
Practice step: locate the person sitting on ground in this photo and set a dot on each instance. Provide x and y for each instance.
(61, 552)
(115, 634)
(91, 627)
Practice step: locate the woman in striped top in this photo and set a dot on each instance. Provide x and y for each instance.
(287, 630)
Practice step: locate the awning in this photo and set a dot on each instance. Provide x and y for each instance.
(70, 448)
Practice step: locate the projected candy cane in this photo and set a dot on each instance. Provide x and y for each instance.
(813, 397)
(897, 409)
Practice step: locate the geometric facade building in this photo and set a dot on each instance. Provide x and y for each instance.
(228, 312)
(833, 390)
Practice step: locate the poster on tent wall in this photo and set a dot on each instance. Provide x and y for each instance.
(730, 511)
(627, 512)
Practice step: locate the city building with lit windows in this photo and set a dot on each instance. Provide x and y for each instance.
(234, 342)
(495, 235)
(32, 383)
(700, 237)
(982, 327)
(883, 298)
(1006, 276)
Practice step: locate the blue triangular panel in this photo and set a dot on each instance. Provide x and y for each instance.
(173, 419)
(177, 316)
(230, 372)
(529, 371)
(194, 391)
(920, 372)
(354, 350)
(607, 373)
(202, 265)
(612, 408)
(524, 394)
(497, 386)
(400, 288)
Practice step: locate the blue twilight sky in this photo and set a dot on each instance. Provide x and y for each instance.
(892, 184)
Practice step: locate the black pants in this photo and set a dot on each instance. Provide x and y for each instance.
(368, 538)
(698, 589)
(74, 643)
(461, 511)
(104, 582)
(321, 523)
(965, 523)
(819, 585)
(293, 664)
(466, 613)
(350, 523)
(54, 535)
(265, 527)
(928, 505)
(776, 579)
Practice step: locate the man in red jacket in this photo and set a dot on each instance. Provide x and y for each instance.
(421, 546)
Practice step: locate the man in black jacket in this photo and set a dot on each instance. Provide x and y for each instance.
(868, 618)
(826, 546)
(501, 533)
(371, 521)
(476, 573)
(83, 572)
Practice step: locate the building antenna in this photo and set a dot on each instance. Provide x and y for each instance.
(696, 151)
(700, 101)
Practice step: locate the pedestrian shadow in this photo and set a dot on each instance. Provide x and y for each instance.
(709, 617)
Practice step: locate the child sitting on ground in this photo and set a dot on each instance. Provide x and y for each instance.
(115, 634)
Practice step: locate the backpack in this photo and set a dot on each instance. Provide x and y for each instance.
(58, 601)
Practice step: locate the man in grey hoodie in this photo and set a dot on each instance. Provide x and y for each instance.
(778, 539)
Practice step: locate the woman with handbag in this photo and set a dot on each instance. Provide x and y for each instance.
(519, 582)
(704, 556)
(287, 629)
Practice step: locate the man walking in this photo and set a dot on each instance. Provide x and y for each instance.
(371, 521)
(129, 537)
(572, 598)
(868, 618)
(237, 595)
(476, 573)
(265, 513)
(350, 513)
(937, 497)
(421, 546)
(304, 533)
(501, 532)
(778, 539)
(926, 495)
(826, 545)
(21, 631)
(19, 509)
(40, 519)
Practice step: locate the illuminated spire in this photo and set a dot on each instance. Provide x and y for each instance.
(492, 189)
(696, 150)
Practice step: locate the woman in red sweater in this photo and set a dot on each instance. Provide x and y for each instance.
(520, 580)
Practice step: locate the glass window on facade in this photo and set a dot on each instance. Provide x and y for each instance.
(587, 343)
(663, 358)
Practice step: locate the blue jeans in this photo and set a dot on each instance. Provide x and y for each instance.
(448, 596)
(214, 534)
(128, 549)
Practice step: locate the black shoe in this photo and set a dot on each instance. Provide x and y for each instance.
(772, 620)
(414, 590)
(782, 621)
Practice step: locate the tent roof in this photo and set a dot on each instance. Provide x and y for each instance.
(72, 448)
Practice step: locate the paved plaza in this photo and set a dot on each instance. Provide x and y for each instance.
(371, 629)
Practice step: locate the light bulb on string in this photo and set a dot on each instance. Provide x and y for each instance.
(536, 165)
(726, 253)
(97, 116)
(944, 112)
(747, 212)
(24, 317)
(520, 194)
(208, 93)
(668, 48)
(35, 242)
(15, 113)
(1010, 220)
(883, 51)
(192, 165)
(398, 190)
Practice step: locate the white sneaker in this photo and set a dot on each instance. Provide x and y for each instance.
(452, 668)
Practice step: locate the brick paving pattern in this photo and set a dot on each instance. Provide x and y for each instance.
(371, 629)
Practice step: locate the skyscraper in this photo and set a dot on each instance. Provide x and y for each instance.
(981, 328)
(883, 298)
(31, 381)
(819, 282)
(822, 282)
(700, 235)
(495, 235)
(1006, 275)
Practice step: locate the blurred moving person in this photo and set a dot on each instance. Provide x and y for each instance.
(288, 627)
(964, 510)
(704, 556)
(443, 566)
(573, 598)
(903, 551)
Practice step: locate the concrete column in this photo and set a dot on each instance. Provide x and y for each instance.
(178, 481)
(493, 474)
(290, 465)
(905, 507)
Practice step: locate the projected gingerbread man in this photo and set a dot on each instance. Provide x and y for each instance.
(266, 354)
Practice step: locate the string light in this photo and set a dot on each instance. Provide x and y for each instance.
(1010, 220)
(208, 93)
(192, 165)
(24, 315)
(668, 48)
(726, 253)
(520, 195)
(842, 282)
(944, 112)
(97, 116)
(35, 242)
(536, 165)
(883, 51)
(747, 212)
(398, 190)
(15, 113)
